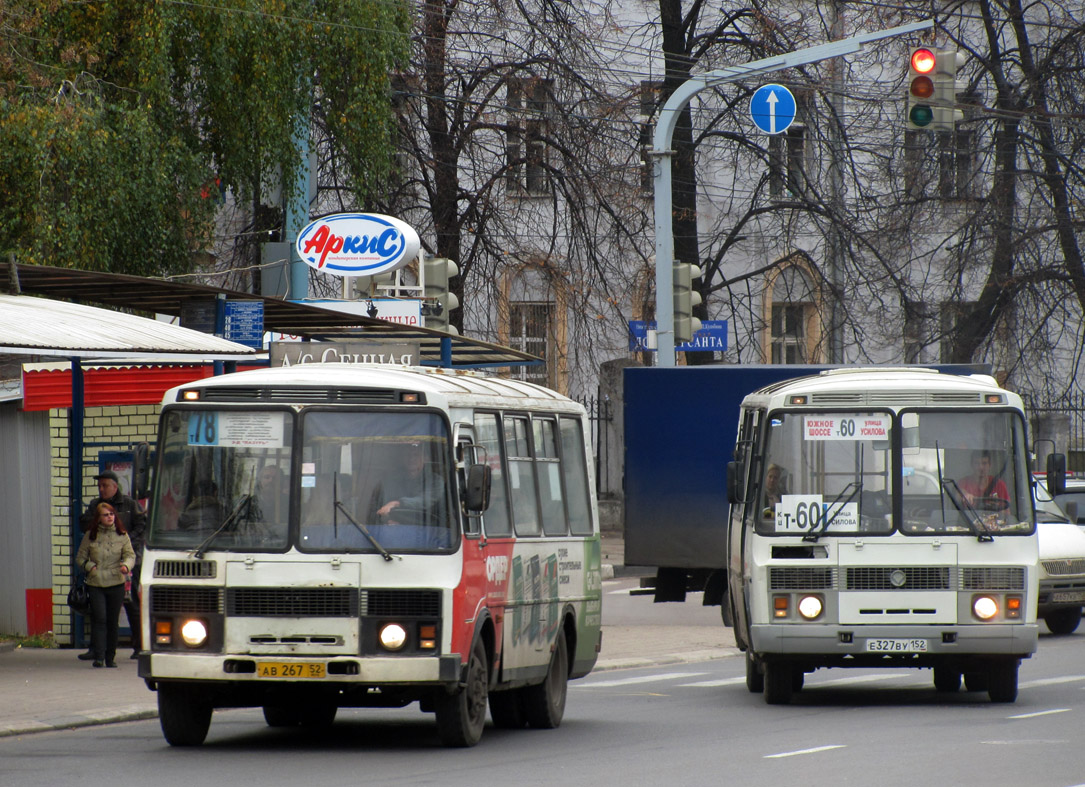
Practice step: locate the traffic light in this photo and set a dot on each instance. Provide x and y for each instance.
(685, 298)
(946, 88)
(921, 72)
(436, 273)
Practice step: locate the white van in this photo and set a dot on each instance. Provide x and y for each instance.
(1062, 565)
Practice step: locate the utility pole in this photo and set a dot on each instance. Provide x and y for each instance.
(661, 153)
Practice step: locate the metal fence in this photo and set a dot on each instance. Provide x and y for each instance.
(1069, 412)
(600, 416)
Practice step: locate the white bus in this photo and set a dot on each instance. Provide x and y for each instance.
(882, 518)
(332, 535)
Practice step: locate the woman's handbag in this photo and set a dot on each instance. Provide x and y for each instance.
(79, 597)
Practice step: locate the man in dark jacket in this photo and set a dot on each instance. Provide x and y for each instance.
(134, 520)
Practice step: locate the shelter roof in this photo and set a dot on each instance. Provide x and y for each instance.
(169, 297)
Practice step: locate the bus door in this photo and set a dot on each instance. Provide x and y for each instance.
(744, 495)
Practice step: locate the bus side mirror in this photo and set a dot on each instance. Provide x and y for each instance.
(1056, 474)
(734, 482)
(141, 471)
(477, 493)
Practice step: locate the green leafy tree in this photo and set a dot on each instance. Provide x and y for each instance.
(121, 121)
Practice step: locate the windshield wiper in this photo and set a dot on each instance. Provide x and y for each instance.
(971, 516)
(362, 528)
(245, 502)
(813, 535)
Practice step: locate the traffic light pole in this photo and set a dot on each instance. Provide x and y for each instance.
(661, 154)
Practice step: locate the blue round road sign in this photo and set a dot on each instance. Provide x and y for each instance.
(772, 108)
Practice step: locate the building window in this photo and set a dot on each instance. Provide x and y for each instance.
(918, 329)
(793, 328)
(528, 332)
(944, 160)
(530, 107)
(953, 312)
(787, 168)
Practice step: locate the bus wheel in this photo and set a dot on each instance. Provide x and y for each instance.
(544, 703)
(779, 683)
(1002, 681)
(1063, 621)
(461, 716)
(755, 680)
(947, 680)
(507, 709)
(184, 720)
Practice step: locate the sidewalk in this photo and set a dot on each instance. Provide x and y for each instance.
(50, 689)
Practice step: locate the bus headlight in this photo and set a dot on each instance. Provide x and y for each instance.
(393, 636)
(811, 607)
(984, 607)
(194, 633)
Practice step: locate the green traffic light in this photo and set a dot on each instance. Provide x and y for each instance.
(921, 115)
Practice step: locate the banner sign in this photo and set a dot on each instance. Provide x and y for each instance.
(711, 338)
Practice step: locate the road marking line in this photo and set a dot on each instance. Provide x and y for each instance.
(711, 683)
(1039, 713)
(1051, 681)
(804, 751)
(640, 679)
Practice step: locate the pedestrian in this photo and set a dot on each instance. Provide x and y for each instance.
(107, 558)
(131, 517)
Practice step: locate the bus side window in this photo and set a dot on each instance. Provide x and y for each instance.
(525, 508)
(496, 520)
(574, 468)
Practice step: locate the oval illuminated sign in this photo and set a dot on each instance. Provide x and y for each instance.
(357, 244)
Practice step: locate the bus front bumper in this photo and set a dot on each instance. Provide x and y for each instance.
(373, 671)
(878, 642)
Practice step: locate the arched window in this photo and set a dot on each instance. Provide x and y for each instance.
(533, 320)
(793, 329)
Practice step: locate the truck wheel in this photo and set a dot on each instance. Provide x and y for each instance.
(755, 679)
(1002, 681)
(947, 680)
(184, 720)
(1063, 621)
(462, 716)
(544, 703)
(779, 683)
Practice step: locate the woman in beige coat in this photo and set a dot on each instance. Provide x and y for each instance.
(107, 558)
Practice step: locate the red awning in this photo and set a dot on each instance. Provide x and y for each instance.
(108, 385)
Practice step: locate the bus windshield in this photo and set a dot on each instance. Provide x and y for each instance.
(833, 473)
(363, 481)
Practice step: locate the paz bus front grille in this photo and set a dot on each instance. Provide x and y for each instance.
(899, 578)
(292, 602)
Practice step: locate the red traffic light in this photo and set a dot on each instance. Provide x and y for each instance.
(923, 61)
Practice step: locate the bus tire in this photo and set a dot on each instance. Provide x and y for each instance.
(462, 716)
(779, 683)
(1063, 621)
(1002, 681)
(544, 703)
(947, 680)
(507, 709)
(755, 679)
(184, 720)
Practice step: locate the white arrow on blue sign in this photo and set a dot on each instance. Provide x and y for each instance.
(772, 108)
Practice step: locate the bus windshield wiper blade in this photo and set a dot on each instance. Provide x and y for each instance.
(244, 502)
(813, 535)
(971, 516)
(365, 532)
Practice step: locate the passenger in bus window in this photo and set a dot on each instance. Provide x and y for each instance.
(415, 495)
(981, 489)
(271, 495)
(775, 488)
(204, 509)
